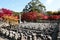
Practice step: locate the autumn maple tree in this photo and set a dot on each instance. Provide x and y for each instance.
(31, 11)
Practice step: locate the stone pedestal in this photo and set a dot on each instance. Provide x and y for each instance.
(26, 38)
(34, 36)
(58, 38)
(30, 37)
(22, 36)
(39, 38)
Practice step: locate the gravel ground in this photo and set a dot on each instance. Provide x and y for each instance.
(3, 38)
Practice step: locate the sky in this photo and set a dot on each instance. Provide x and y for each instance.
(18, 5)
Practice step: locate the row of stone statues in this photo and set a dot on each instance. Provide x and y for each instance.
(12, 35)
(48, 32)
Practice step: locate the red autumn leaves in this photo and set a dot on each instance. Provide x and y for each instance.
(52, 17)
(5, 12)
(33, 16)
(56, 17)
(29, 16)
(8, 12)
